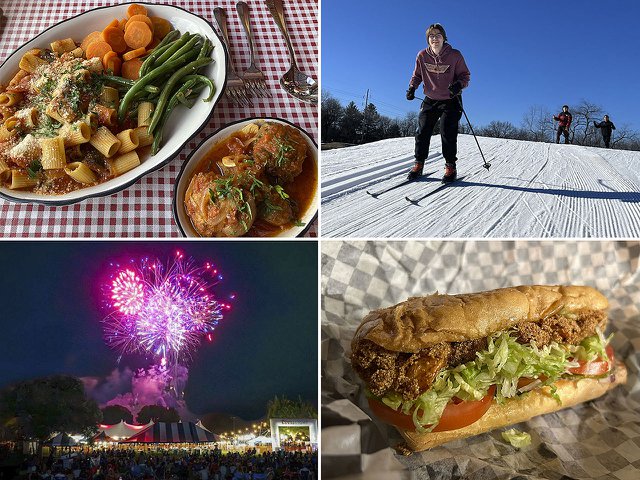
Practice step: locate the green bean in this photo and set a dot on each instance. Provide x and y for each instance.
(190, 45)
(159, 50)
(148, 62)
(175, 46)
(190, 99)
(207, 46)
(126, 83)
(206, 81)
(190, 68)
(157, 138)
(168, 38)
(149, 77)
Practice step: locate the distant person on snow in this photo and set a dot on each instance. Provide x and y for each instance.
(605, 127)
(444, 73)
(564, 122)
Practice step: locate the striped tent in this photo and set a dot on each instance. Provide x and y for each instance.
(61, 440)
(179, 432)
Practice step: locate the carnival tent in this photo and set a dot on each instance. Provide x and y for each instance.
(123, 430)
(103, 438)
(176, 432)
(62, 440)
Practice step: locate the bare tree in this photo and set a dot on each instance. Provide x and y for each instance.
(538, 124)
(582, 130)
(623, 136)
(409, 124)
(498, 129)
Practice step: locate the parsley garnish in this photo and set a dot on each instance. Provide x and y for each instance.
(284, 195)
(298, 223)
(283, 149)
(34, 167)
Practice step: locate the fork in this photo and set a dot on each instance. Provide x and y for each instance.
(236, 89)
(253, 77)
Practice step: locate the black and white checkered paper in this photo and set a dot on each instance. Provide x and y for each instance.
(599, 439)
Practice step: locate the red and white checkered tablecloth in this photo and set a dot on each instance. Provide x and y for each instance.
(145, 209)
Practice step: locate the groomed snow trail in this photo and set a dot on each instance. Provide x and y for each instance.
(532, 190)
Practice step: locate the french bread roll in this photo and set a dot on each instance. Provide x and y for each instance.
(421, 322)
(523, 408)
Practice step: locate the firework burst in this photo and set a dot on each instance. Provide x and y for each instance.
(162, 310)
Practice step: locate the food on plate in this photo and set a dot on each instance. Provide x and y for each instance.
(79, 114)
(446, 367)
(256, 182)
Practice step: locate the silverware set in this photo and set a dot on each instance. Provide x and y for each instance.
(242, 87)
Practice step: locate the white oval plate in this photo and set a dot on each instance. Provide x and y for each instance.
(184, 177)
(183, 124)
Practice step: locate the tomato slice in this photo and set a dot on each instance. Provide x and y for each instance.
(600, 366)
(455, 415)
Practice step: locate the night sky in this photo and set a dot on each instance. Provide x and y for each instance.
(265, 346)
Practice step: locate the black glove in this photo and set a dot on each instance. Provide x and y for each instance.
(411, 93)
(454, 89)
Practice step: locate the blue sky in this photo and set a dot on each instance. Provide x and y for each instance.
(520, 53)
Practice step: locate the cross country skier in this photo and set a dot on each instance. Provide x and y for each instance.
(444, 73)
(605, 127)
(564, 122)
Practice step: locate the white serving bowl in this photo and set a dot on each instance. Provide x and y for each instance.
(190, 165)
(181, 127)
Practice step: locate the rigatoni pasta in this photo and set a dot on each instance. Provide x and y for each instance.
(53, 154)
(124, 163)
(128, 140)
(105, 142)
(145, 112)
(80, 172)
(76, 133)
(21, 180)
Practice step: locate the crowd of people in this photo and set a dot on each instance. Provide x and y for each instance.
(129, 464)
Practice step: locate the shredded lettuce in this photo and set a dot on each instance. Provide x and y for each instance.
(503, 363)
(516, 438)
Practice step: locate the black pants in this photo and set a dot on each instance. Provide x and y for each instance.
(607, 140)
(565, 132)
(449, 113)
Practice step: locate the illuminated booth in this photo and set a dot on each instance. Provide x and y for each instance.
(278, 440)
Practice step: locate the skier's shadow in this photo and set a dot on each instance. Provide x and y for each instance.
(631, 197)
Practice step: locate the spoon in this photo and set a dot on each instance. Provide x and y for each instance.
(294, 82)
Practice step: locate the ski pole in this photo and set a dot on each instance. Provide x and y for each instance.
(486, 165)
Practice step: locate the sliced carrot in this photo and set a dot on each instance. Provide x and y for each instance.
(161, 27)
(92, 37)
(122, 23)
(110, 54)
(114, 64)
(138, 52)
(131, 69)
(138, 35)
(135, 9)
(99, 48)
(114, 23)
(139, 18)
(114, 37)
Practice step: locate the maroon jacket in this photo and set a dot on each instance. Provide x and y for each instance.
(439, 71)
(564, 119)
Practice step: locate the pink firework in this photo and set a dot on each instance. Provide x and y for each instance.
(163, 311)
(127, 292)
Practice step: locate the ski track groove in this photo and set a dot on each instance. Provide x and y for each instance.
(494, 210)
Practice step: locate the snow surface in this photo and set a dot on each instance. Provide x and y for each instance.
(531, 190)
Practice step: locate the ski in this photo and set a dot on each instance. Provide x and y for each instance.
(439, 188)
(398, 185)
